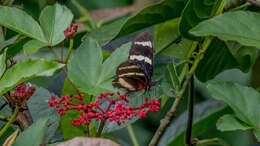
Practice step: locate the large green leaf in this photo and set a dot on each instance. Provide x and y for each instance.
(86, 70)
(2, 63)
(230, 122)
(237, 30)
(32, 46)
(34, 135)
(18, 20)
(39, 108)
(243, 100)
(219, 58)
(195, 12)
(54, 20)
(147, 17)
(205, 118)
(165, 33)
(167, 40)
(26, 70)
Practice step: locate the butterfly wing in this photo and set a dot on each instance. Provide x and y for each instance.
(129, 76)
(141, 53)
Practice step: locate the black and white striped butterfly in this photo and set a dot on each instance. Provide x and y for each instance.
(136, 73)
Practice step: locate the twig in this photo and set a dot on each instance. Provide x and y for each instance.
(8, 124)
(254, 2)
(100, 128)
(70, 49)
(168, 117)
(190, 113)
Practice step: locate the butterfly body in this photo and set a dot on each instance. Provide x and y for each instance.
(136, 73)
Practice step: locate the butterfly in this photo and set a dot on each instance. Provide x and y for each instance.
(136, 73)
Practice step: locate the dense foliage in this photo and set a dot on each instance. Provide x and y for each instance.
(58, 59)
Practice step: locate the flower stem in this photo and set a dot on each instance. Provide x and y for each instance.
(70, 49)
(100, 128)
(132, 135)
(8, 124)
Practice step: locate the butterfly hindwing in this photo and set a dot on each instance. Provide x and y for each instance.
(129, 76)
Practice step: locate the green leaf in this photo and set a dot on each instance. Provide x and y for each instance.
(34, 135)
(173, 76)
(39, 108)
(238, 29)
(70, 131)
(205, 118)
(195, 12)
(8, 42)
(230, 123)
(243, 100)
(221, 56)
(54, 20)
(32, 46)
(178, 50)
(216, 59)
(107, 32)
(165, 33)
(16, 47)
(2, 63)
(19, 21)
(167, 41)
(86, 70)
(26, 70)
(147, 17)
(244, 55)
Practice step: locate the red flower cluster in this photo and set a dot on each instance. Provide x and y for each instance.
(21, 94)
(69, 32)
(115, 110)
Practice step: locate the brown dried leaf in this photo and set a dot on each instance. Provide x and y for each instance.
(85, 141)
(10, 140)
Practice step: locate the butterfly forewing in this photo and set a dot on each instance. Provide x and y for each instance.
(141, 53)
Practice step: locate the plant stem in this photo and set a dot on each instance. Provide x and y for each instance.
(132, 135)
(70, 49)
(168, 117)
(8, 124)
(212, 141)
(100, 128)
(190, 113)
